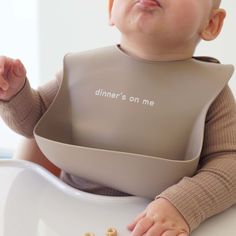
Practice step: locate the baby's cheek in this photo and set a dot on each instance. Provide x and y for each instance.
(186, 15)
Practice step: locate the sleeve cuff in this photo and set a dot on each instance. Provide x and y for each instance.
(17, 104)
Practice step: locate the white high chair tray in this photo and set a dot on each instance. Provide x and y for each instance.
(35, 203)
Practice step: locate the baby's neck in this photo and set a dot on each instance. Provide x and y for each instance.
(152, 52)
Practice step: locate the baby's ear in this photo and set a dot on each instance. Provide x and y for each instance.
(110, 5)
(214, 26)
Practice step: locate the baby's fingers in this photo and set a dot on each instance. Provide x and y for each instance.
(143, 226)
(5, 64)
(174, 233)
(136, 220)
(3, 83)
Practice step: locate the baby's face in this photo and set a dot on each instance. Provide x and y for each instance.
(174, 20)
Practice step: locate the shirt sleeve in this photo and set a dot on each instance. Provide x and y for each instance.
(25, 109)
(213, 188)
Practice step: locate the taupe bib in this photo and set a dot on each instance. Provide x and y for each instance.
(130, 124)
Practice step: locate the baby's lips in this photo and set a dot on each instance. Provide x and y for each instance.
(150, 3)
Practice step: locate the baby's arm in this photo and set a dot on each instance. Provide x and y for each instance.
(21, 106)
(213, 188)
(29, 151)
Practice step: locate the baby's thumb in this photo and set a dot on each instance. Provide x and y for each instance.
(18, 69)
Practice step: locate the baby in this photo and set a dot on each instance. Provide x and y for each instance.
(153, 30)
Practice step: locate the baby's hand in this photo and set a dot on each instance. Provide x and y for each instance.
(160, 218)
(12, 77)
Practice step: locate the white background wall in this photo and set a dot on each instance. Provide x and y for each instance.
(40, 32)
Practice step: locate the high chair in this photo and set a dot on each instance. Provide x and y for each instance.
(34, 202)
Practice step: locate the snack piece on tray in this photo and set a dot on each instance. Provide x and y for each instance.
(111, 232)
(89, 234)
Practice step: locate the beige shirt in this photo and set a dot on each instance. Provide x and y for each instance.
(210, 191)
